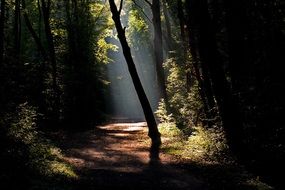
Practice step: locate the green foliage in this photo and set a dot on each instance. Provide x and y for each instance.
(138, 33)
(28, 147)
(103, 47)
(185, 105)
(182, 126)
(202, 145)
(207, 144)
(84, 72)
(23, 125)
(169, 130)
(103, 30)
(161, 113)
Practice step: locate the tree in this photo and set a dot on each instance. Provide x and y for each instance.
(17, 28)
(168, 40)
(157, 44)
(46, 10)
(210, 60)
(153, 132)
(2, 21)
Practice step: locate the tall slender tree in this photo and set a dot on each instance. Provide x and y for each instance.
(200, 68)
(169, 39)
(157, 44)
(235, 24)
(153, 132)
(33, 33)
(209, 56)
(17, 28)
(2, 25)
(46, 10)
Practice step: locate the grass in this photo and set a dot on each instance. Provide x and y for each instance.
(28, 157)
(206, 153)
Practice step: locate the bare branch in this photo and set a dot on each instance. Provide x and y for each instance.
(149, 3)
(121, 7)
(134, 1)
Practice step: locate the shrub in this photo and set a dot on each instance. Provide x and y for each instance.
(28, 154)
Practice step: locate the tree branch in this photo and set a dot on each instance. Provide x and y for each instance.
(33, 33)
(149, 3)
(134, 1)
(121, 7)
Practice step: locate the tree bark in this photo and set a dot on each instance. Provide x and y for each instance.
(46, 5)
(235, 24)
(17, 28)
(153, 132)
(2, 25)
(201, 73)
(34, 34)
(169, 41)
(210, 57)
(182, 23)
(158, 48)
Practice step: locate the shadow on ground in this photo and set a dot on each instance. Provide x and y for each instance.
(116, 156)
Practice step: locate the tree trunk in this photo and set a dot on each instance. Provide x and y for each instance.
(42, 51)
(181, 18)
(169, 41)
(40, 19)
(2, 21)
(51, 49)
(17, 28)
(153, 132)
(235, 23)
(201, 72)
(226, 104)
(158, 49)
(34, 34)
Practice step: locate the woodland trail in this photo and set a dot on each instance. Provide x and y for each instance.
(116, 156)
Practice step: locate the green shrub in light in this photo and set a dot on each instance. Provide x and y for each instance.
(208, 144)
(42, 157)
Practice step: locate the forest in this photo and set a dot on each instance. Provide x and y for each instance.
(142, 94)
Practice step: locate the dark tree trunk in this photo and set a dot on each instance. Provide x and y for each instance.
(2, 21)
(34, 34)
(181, 18)
(42, 51)
(17, 28)
(158, 48)
(73, 38)
(40, 19)
(46, 6)
(169, 41)
(235, 23)
(152, 126)
(227, 107)
(210, 57)
(201, 72)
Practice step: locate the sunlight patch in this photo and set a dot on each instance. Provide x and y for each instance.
(118, 134)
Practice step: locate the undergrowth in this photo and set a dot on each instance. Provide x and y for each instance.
(184, 135)
(207, 152)
(28, 157)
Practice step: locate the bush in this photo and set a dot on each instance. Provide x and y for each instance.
(206, 144)
(28, 155)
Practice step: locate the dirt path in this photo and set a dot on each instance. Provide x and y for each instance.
(117, 156)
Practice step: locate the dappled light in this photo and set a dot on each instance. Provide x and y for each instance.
(142, 94)
(123, 148)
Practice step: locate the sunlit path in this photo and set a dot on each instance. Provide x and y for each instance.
(119, 153)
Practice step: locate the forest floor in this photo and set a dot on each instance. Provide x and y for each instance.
(116, 156)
